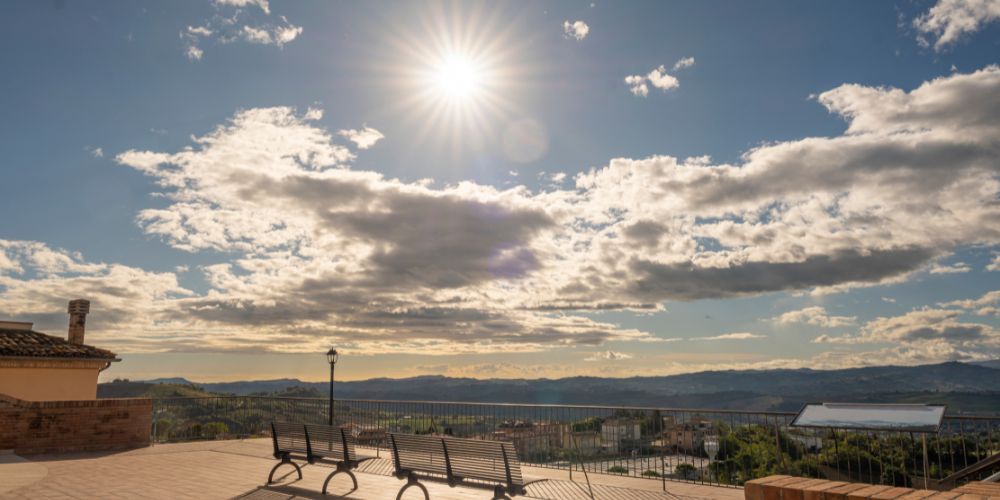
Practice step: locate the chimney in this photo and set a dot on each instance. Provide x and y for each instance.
(78, 310)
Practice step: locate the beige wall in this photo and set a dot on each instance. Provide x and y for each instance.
(50, 380)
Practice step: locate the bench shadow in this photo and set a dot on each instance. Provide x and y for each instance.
(288, 492)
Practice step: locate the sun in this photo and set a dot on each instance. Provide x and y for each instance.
(457, 77)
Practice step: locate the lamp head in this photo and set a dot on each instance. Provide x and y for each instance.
(332, 356)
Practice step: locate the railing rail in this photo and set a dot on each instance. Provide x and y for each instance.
(724, 447)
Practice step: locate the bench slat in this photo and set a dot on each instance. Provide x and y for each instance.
(467, 461)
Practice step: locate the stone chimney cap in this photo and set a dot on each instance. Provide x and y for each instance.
(79, 306)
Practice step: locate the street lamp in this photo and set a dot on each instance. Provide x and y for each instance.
(332, 357)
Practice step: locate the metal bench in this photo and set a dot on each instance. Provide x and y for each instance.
(315, 443)
(458, 462)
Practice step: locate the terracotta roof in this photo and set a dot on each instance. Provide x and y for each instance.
(31, 344)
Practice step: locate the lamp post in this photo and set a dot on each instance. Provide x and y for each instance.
(711, 449)
(331, 357)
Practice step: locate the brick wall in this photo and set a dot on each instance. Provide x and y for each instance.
(36, 427)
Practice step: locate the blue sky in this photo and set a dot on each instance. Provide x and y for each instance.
(488, 189)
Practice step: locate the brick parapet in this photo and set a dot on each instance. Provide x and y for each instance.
(798, 488)
(46, 427)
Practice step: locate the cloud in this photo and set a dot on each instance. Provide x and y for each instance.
(323, 250)
(577, 29)
(958, 268)
(194, 53)
(239, 25)
(608, 356)
(95, 152)
(685, 62)
(302, 249)
(661, 80)
(732, 336)
(364, 138)
(816, 316)
(658, 78)
(938, 326)
(994, 265)
(637, 85)
(199, 30)
(263, 4)
(950, 20)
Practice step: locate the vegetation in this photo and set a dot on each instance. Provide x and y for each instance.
(686, 471)
(618, 469)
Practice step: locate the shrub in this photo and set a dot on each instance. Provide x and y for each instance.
(651, 473)
(618, 469)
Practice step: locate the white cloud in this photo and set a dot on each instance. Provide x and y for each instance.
(957, 268)
(685, 62)
(889, 300)
(194, 53)
(577, 29)
(513, 173)
(263, 4)
(816, 316)
(199, 30)
(994, 265)
(658, 78)
(308, 250)
(637, 85)
(363, 138)
(608, 356)
(732, 336)
(247, 26)
(661, 80)
(950, 20)
(923, 328)
(95, 152)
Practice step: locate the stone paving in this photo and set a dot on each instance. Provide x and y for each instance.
(238, 469)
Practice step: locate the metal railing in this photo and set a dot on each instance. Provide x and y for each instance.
(718, 447)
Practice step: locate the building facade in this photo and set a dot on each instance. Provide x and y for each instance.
(39, 367)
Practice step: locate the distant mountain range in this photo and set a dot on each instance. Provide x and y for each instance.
(966, 387)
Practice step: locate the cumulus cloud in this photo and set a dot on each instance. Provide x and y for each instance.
(685, 62)
(922, 327)
(950, 20)
(608, 356)
(262, 4)
(577, 30)
(194, 53)
(994, 265)
(363, 138)
(639, 84)
(310, 250)
(816, 316)
(732, 336)
(239, 25)
(330, 251)
(957, 268)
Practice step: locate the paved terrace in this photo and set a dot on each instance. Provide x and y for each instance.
(238, 469)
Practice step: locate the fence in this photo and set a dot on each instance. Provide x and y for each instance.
(708, 446)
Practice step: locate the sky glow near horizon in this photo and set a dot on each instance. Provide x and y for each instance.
(503, 189)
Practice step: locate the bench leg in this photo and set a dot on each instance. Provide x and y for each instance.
(354, 478)
(285, 460)
(499, 493)
(412, 481)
